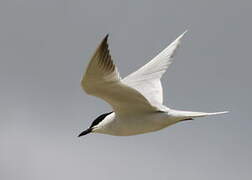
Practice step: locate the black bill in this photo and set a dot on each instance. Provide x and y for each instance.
(89, 130)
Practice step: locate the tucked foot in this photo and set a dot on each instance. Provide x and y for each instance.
(189, 119)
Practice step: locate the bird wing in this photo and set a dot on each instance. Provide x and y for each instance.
(102, 79)
(146, 80)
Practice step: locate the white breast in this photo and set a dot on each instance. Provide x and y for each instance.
(134, 124)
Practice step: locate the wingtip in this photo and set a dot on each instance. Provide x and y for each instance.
(185, 31)
(182, 35)
(105, 40)
(106, 37)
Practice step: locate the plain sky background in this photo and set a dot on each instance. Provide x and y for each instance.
(46, 44)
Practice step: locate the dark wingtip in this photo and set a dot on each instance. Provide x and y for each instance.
(106, 38)
(89, 130)
(104, 42)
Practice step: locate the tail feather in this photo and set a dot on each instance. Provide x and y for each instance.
(190, 114)
(202, 114)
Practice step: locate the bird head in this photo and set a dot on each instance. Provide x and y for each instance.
(95, 124)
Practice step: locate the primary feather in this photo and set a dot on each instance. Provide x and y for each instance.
(147, 79)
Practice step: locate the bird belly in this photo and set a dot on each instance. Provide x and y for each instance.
(139, 124)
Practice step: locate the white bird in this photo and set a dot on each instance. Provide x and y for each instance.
(137, 100)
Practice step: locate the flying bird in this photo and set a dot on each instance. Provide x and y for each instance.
(137, 100)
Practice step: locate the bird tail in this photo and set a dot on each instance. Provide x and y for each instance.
(190, 115)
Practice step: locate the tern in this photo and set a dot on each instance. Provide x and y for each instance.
(137, 100)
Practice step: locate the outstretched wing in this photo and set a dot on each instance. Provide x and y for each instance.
(103, 80)
(146, 80)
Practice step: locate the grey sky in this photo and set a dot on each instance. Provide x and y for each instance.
(44, 48)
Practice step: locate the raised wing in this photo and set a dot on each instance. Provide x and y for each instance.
(103, 80)
(147, 79)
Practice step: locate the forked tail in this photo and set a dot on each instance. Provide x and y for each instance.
(190, 115)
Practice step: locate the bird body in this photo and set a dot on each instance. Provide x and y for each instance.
(134, 124)
(137, 100)
(139, 123)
